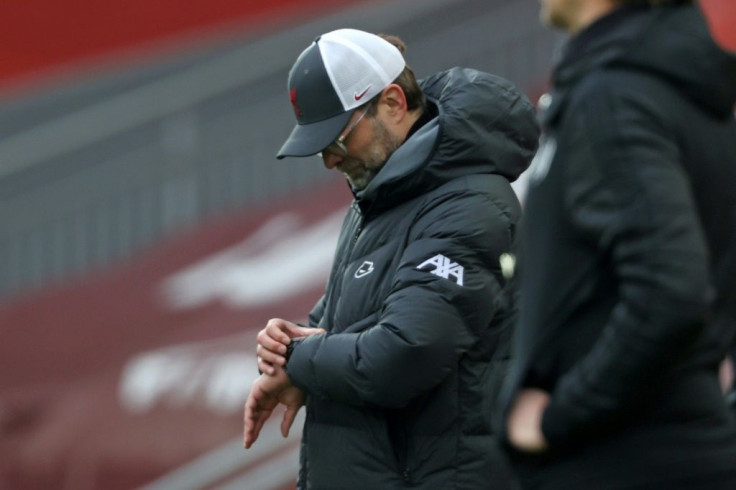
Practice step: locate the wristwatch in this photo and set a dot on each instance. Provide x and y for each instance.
(290, 349)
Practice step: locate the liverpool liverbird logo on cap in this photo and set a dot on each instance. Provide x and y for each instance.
(297, 111)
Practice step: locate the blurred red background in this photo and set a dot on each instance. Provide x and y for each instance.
(42, 38)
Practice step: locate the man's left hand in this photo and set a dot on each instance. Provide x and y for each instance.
(265, 394)
(524, 425)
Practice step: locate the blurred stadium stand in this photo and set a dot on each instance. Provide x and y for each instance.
(97, 168)
(147, 231)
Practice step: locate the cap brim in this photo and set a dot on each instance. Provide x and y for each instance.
(309, 139)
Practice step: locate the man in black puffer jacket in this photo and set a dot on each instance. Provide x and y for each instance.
(629, 257)
(400, 386)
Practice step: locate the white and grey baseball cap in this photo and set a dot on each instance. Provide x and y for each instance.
(339, 72)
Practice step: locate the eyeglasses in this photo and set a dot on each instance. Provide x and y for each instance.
(338, 147)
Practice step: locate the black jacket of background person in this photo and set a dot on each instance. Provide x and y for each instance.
(401, 387)
(629, 256)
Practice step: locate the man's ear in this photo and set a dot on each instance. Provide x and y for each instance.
(393, 103)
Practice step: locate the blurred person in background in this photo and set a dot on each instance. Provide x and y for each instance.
(628, 258)
(396, 367)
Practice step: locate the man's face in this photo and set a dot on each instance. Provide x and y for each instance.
(369, 146)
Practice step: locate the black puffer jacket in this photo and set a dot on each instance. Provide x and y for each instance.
(629, 264)
(401, 387)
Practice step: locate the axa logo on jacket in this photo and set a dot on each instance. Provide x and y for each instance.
(444, 268)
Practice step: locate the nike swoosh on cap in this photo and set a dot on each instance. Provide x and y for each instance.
(359, 96)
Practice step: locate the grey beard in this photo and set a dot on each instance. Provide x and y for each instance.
(381, 150)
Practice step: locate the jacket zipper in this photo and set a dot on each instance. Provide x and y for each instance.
(358, 231)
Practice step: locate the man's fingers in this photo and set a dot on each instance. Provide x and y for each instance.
(248, 438)
(273, 343)
(288, 420)
(252, 432)
(255, 416)
(269, 357)
(248, 421)
(250, 435)
(281, 330)
(307, 331)
(266, 367)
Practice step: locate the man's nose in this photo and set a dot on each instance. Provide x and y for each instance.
(331, 160)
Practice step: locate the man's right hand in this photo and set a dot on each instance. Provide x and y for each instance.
(274, 338)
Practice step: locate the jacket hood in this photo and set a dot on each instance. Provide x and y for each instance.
(484, 126)
(671, 42)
